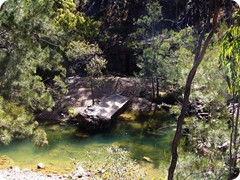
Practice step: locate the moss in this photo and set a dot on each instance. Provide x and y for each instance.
(130, 115)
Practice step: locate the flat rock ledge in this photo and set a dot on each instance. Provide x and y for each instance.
(99, 116)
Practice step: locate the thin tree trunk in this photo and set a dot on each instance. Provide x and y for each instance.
(153, 89)
(157, 88)
(235, 142)
(91, 79)
(197, 60)
(231, 143)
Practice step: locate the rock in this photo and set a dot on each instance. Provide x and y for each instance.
(10, 174)
(65, 175)
(26, 169)
(16, 169)
(81, 135)
(223, 147)
(147, 159)
(40, 166)
(79, 173)
(99, 116)
(202, 149)
(80, 170)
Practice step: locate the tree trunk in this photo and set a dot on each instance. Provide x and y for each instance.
(231, 142)
(153, 89)
(157, 88)
(235, 141)
(197, 60)
(91, 79)
(236, 133)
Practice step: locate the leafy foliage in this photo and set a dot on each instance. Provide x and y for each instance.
(116, 165)
(230, 58)
(40, 138)
(27, 25)
(82, 51)
(37, 39)
(73, 22)
(15, 122)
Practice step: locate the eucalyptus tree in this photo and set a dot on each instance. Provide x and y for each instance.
(202, 45)
(230, 61)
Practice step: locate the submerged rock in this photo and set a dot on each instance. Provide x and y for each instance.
(147, 159)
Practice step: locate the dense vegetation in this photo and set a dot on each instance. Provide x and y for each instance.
(42, 43)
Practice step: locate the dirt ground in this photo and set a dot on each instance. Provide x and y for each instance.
(80, 93)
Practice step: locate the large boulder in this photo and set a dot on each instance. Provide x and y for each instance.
(100, 116)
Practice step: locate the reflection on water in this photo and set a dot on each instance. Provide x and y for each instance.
(141, 134)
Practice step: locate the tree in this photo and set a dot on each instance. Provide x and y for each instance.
(154, 60)
(77, 38)
(200, 51)
(94, 69)
(36, 39)
(26, 54)
(17, 123)
(230, 61)
(34, 52)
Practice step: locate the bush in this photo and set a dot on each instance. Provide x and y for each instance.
(117, 164)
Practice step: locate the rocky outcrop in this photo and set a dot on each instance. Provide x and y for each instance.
(77, 103)
(100, 116)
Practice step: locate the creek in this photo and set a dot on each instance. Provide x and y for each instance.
(143, 135)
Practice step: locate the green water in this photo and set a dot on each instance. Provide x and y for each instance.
(141, 135)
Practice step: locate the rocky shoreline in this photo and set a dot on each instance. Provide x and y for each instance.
(15, 173)
(27, 174)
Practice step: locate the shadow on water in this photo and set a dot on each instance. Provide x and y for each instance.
(142, 134)
(146, 135)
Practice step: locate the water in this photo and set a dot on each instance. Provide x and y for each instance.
(141, 135)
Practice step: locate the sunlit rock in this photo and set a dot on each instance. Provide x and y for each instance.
(16, 169)
(147, 159)
(40, 166)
